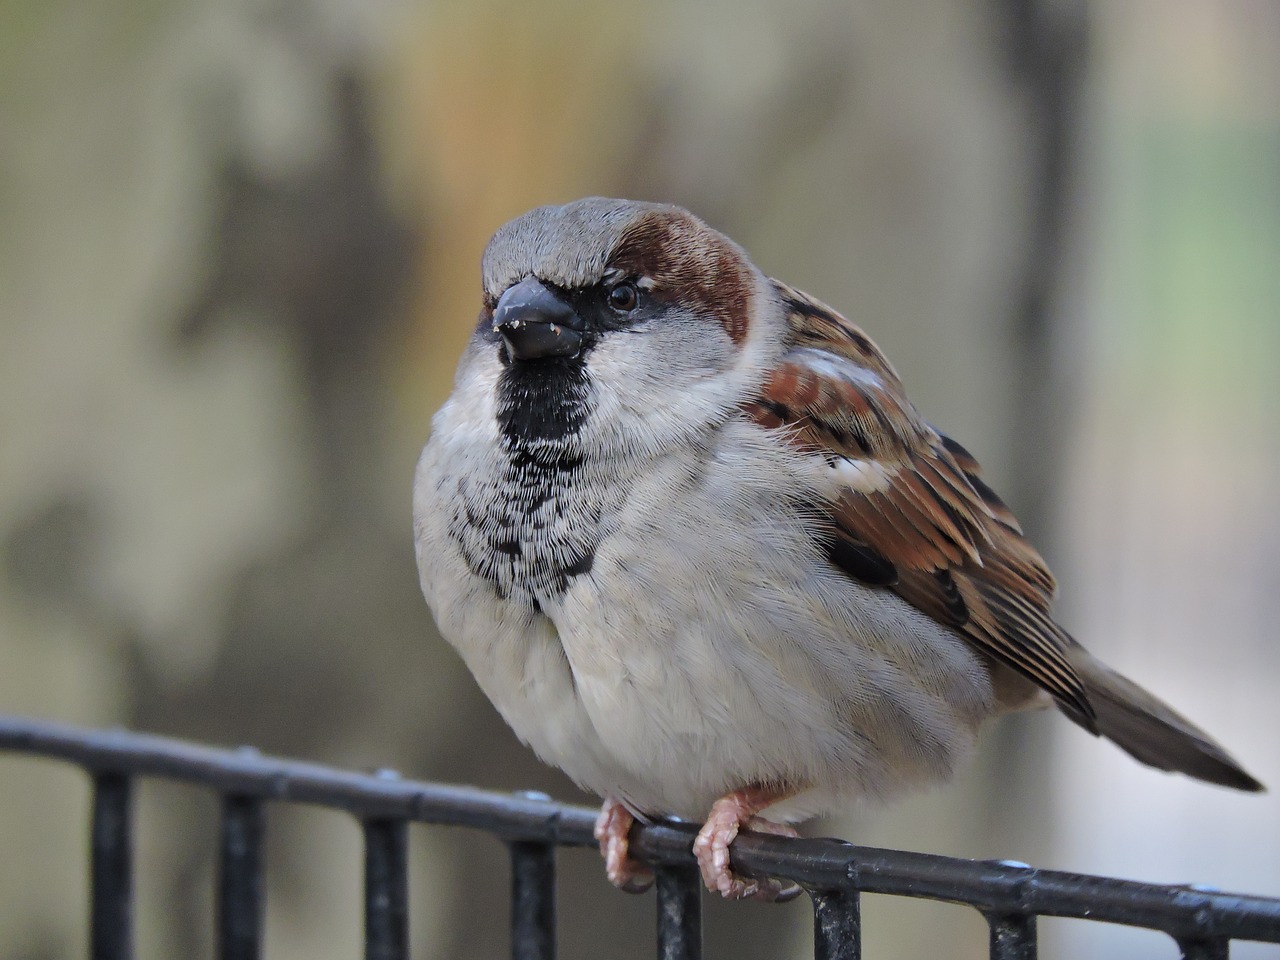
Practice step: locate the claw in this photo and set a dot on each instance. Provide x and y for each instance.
(612, 827)
(730, 814)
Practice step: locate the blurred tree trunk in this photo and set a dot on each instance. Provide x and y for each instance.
(1046, 53)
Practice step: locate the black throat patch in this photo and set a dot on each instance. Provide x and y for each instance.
(535, 528)
(541, 401)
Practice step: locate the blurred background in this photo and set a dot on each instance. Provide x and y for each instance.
(239, 247)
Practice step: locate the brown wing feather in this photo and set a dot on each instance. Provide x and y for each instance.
(915, 516)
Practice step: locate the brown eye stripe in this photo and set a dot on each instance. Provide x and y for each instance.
(689, 265)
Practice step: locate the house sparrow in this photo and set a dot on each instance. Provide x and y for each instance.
(695, 544)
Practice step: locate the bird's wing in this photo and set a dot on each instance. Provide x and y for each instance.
(909, 511)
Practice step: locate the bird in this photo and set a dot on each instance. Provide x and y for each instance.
(695, 544)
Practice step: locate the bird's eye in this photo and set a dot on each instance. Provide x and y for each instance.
(624, 296)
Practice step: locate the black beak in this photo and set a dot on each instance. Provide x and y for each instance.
(535, 323)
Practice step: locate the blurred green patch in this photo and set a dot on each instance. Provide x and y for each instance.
(1192, 255)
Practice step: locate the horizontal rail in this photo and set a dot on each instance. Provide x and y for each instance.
(246, 772)
(998, 889)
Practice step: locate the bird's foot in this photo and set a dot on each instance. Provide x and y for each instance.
(612, 827)
(730, 814)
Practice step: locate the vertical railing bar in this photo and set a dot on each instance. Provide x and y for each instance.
(1013, 936)
(679, 913)
(386, 889)
(240, 879)
(837, 925)
(533, 900)
(111, 870)
(1204, 948)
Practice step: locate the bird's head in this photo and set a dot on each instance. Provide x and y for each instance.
(619, 323)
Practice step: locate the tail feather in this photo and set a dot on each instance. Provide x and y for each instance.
(1153, 732)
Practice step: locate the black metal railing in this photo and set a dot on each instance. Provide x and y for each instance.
(1010, 896)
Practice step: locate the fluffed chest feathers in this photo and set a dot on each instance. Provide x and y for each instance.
(533, 525)
(691, 579)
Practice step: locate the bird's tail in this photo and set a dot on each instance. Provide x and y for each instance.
(1153, 732)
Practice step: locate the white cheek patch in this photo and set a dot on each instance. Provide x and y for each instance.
(655, 384)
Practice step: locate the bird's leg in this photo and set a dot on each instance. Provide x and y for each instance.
(612, 827)
(731, 813)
